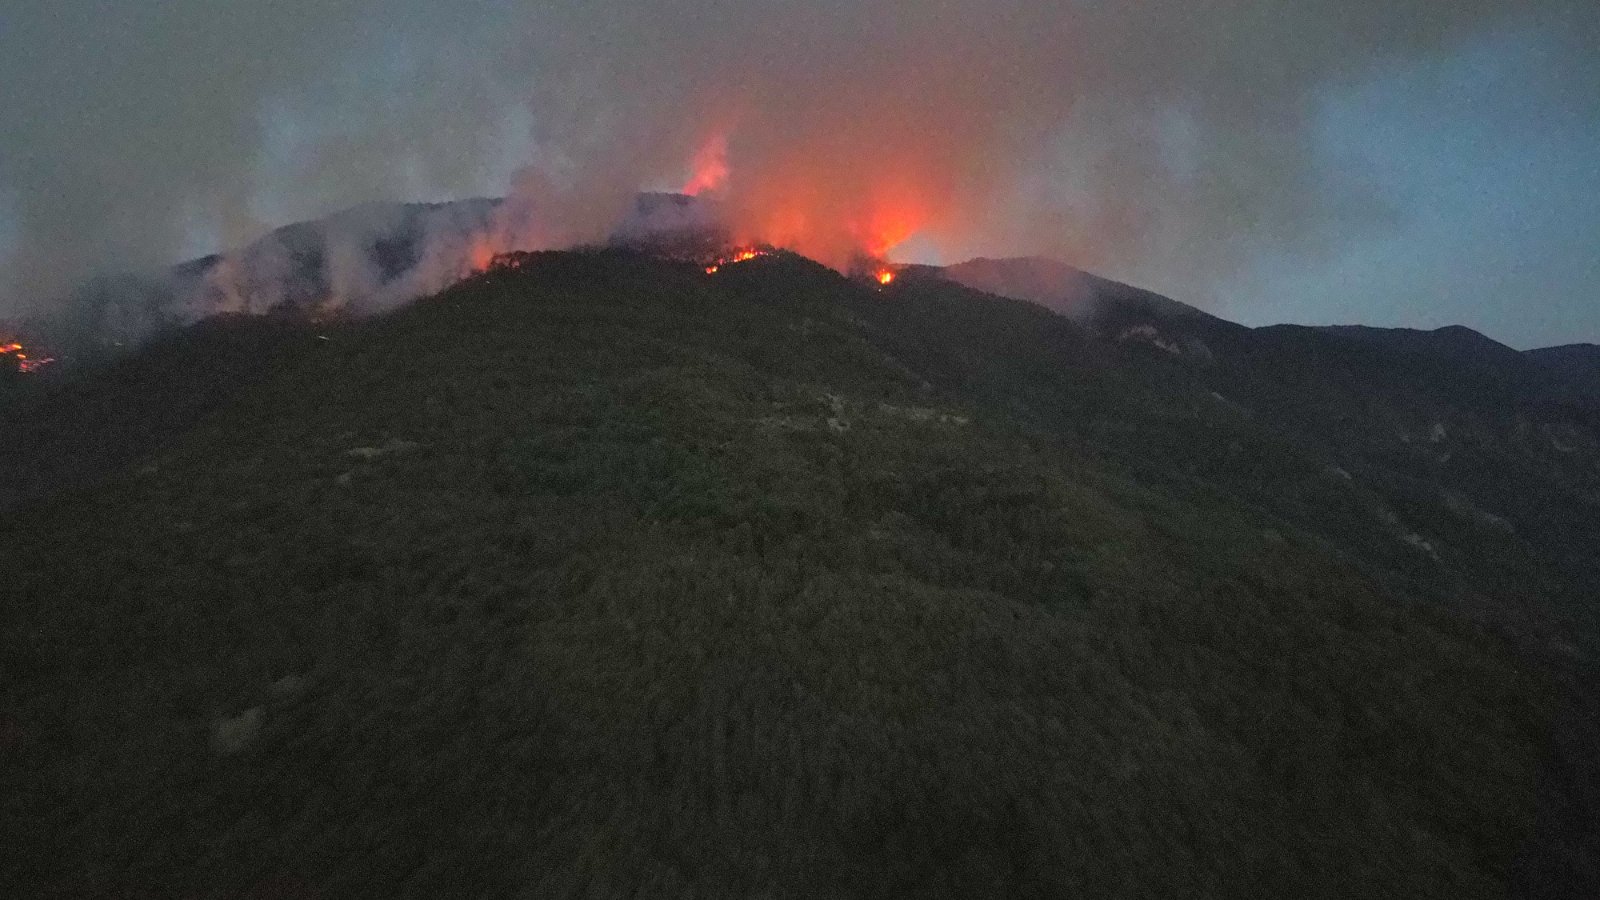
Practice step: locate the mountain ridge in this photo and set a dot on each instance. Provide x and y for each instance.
(370, 258)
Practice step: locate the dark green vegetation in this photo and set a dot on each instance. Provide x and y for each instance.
(604, 578)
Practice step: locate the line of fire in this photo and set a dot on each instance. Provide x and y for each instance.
(14, 356)
(712, 262)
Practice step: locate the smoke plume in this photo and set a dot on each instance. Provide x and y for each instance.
(1134, 135)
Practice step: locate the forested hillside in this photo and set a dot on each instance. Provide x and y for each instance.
(605, 577)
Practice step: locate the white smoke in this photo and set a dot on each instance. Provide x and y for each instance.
(1036, 125)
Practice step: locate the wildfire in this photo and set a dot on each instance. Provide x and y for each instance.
(481, 255)
(742, 254)
(885, 276)
(710, 167)
(25, 363)
(502, 261)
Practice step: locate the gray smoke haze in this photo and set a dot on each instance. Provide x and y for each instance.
(1145, 137)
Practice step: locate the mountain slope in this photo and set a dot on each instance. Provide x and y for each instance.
(1574, 367)
(358, 261)
(603, 577)
(1444, 458)
(1109, 306)
(364, 259)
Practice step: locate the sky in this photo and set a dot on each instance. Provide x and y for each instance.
(1385, 162)
(1493, 172)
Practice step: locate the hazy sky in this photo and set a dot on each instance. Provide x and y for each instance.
(1393, 162)
(1492, 167)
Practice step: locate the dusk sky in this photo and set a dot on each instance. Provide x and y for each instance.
(1492, 164)
(1386, 163)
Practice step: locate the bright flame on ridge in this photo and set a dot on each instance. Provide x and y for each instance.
(25, 364)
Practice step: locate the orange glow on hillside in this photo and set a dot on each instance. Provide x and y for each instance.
(482, 255)
(885, 276)
(710, 167)
(25, 363)
(739, 255)
(830, 216)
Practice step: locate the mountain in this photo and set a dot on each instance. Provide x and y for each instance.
(1575, 367)
(1115, 310)
(596, 575)
(1575, 358)
(1047, 282)
(1068, 290)
(359, 261)
(1446, 440)
(362, 260)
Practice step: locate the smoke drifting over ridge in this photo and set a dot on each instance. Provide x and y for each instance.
(1117, 133)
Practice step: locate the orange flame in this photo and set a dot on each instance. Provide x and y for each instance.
(500, 262)
(885, 276)
(818, 196)
(742, 254)
(25, 364)
(481, 255)
(710, 167)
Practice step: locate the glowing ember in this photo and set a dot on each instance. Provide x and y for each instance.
(25, 363)
(742, 254)
(512, 261)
